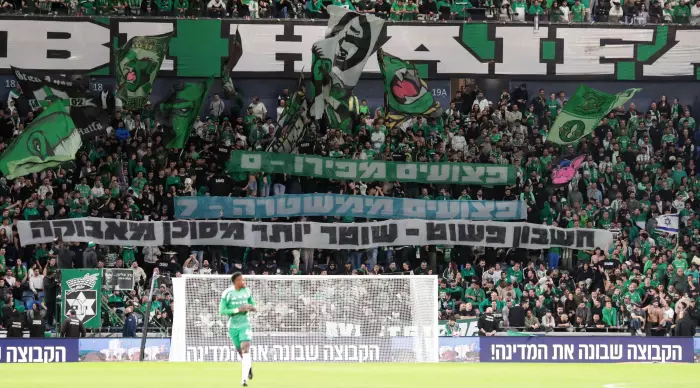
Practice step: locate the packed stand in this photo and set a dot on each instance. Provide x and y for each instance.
(640, 164)
(610, 11)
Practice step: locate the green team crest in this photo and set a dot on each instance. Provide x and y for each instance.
(137, 65)
(406, 95)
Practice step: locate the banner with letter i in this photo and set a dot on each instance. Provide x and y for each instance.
(82, 292)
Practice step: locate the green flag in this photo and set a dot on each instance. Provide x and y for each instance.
(137, 64)
(406, 95)
(178, 112)
(583, 112)
(293, 123)
(82, 293)
(235, 52)
(49, 141)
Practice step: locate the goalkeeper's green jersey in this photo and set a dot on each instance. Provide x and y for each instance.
(232, 299)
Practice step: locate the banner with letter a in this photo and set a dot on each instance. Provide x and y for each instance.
(82, 293)
(337, 205)
(368, 171)
(278, 235)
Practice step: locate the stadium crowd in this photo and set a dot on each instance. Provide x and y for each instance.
(640, 164)
(611, 11)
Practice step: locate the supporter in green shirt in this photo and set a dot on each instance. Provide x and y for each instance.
(535, 9)
(578, 11)
(181, 7)
(31, 212)
(461, 7)
(164, 5)
(610, 314)
(397, 11)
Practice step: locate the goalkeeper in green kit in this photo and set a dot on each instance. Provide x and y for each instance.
(235, 304)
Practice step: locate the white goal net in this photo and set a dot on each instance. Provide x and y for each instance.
(312, 318)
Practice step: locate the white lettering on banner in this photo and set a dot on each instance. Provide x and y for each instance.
(335, 205)
(342, 329)
(150, 353)
(82, 45)
(34, 354)
(135, 28)
(283, 48)
(681, 58)
(266, 353)
(521, 51)
(527, 352)
(584, 53)
(442, 44)
(587, 352)
(261, 47)
(312, 234)
(655, 352)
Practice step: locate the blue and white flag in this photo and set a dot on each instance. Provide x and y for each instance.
(668, 223)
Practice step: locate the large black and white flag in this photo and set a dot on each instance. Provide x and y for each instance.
(338, 60)
(43, 88)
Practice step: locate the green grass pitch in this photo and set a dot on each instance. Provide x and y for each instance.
(303, 375)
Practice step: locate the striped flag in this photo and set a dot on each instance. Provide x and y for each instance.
(668, 223)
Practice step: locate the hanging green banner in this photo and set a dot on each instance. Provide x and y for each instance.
(369, 171)
(82, 292)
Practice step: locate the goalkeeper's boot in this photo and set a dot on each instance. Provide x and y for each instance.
(250, 373)
(244, 383)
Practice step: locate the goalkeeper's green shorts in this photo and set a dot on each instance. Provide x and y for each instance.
(240, 334)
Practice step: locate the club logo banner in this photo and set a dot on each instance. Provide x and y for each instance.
(372, 171)
(586, 349)
(334, 205)
(41, 351)
(82, 289)
(312, 234)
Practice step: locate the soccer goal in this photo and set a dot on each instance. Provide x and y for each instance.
(312, 319)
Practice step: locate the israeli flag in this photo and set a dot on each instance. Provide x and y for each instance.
(668, 223)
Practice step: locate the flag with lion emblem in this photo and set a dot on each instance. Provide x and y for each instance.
(137, 64)
(406, 95)
(582, 114)
(82, 293)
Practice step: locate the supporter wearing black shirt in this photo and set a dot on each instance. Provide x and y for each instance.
(429, 7)
(17, 324)
(72, 327)
(37, 324)
(163, 265)
(223, 154)
(382, 9)
(516, 316)
(220, 185)
(487, 324)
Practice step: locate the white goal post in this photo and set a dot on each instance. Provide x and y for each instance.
(312, 319)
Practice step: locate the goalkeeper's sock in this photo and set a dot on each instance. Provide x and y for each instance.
(246, 366)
